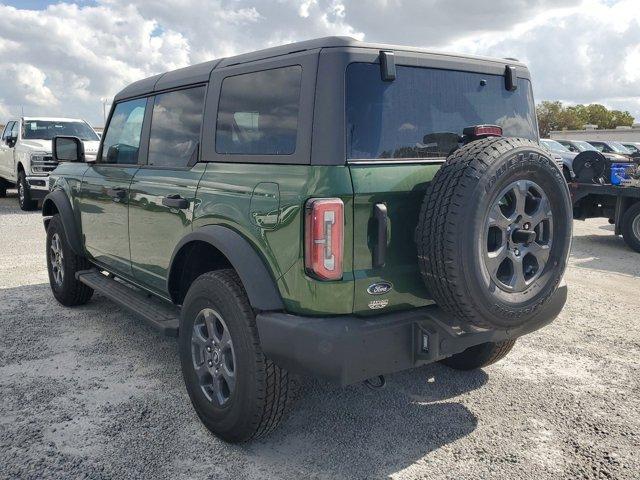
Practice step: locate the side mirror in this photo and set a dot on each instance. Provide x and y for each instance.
(11, 141)
(67, 149)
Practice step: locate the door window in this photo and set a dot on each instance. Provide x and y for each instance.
(7, 131)
(258, 112)
(14, 129)
(175, 128)
(122, 139)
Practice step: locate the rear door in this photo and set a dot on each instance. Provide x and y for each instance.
(163, 191)
(104, 197)
(398, 134)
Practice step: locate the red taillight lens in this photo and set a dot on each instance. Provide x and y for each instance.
(491, 130)
(324, 238)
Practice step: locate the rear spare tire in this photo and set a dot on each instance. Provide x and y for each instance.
(494, 232)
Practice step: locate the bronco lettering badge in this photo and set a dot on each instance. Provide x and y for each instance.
(379, 288)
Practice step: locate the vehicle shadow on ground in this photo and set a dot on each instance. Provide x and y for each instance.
(605, 252)
(137, 418)
(371, 434)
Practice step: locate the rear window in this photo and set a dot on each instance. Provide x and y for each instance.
(411, 116)
(258, 112)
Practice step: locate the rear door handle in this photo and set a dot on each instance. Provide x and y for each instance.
(175, 201)
(117, 193)
(380, 248)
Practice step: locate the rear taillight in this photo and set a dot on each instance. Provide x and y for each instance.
(324, 238)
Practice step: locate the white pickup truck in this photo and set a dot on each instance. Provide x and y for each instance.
(25, 154)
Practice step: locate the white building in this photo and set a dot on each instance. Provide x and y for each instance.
(620, 134)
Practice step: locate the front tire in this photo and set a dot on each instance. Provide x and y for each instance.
(631, 227)
(479, 356)
(62, 264)
(24, 194)
(236, 391)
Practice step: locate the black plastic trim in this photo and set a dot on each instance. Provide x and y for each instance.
(260, 286)
(63, 205)
(349, 349)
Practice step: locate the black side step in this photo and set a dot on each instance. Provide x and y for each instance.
(163, 318)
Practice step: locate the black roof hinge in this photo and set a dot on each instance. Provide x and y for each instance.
(387, 66)
(510, 78)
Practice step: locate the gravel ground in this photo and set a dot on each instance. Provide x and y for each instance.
(92, 392)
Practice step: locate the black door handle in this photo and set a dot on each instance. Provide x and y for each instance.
(117, 193)
(175, 201)
(380, 248)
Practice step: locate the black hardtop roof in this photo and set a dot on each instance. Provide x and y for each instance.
(200, 73)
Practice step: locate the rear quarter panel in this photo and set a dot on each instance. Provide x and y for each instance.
(265, 204)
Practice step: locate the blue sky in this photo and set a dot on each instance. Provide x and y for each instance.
(63, 58)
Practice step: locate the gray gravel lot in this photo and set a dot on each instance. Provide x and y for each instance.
(92, 392)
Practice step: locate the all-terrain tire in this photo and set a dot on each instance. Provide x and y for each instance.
(262, 391)
(480, 356)
(451, 232)
(69, 291)
(631, 227)
(24, 194)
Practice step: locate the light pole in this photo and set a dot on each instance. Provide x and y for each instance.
(104, 101)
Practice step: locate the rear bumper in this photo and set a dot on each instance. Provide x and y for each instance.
(350, 349)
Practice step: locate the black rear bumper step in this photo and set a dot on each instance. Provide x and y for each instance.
(161, 317)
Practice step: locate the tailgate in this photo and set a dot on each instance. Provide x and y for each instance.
(400, 188)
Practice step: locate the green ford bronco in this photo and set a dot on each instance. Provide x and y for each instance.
(329, 207)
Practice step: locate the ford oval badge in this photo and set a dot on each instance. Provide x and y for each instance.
(379, 288)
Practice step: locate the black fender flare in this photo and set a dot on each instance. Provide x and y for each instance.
(260, 286)
(59, 199)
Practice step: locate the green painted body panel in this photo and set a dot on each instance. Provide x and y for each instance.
(401, 187)
(154, 229)
(105, 224)
(264, 203)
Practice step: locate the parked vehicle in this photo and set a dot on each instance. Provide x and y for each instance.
(566, 156)
(329, 207)
(633, 147)
(610, 147)
(25, 154)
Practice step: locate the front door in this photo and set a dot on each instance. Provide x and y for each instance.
(163, 192)
(104, 198)
(6, 154)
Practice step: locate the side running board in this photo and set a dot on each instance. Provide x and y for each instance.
(160, 316)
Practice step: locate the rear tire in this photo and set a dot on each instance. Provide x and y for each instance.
(62, 264)
(236, 391)
(24, 194)
(479, 356)
(631, 227)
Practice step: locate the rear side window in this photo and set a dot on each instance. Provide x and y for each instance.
(419, 114)
(258, 112)
(122, 139)
(175, 127)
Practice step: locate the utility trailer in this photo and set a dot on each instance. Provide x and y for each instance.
(620, 204)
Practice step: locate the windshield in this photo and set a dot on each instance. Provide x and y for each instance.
(422, 111)
(584, 146)
(553, 145)
(47, 129)
(619, 148)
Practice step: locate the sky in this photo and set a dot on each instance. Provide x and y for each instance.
(71, 57)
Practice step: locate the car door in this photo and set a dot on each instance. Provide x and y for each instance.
(104, 197)
(6, 153)
(163, 191)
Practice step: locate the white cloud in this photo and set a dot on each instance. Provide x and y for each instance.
(70, 56)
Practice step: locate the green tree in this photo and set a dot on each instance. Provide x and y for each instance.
(555, 116)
